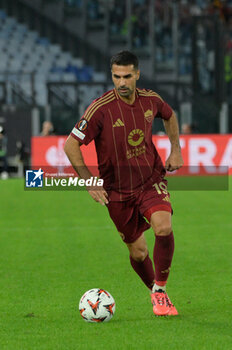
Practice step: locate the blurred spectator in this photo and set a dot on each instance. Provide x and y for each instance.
(228, 67)
(95, 9)
(22, 157)
(22, 152)
(223, 8)
(47, 129)
(117, 17)
(140, 29)
(74, 3)
(187, 9)
(3, 153)
(165, 52)
(186, 129)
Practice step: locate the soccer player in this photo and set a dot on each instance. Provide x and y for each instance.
(134, 190)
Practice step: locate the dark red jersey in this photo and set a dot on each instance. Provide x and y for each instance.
(127, 157)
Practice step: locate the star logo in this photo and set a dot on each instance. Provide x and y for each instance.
(38, 174)
(34, 178)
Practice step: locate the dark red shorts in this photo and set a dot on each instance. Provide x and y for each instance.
(129, 216)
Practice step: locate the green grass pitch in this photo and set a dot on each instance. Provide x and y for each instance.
(57, 245)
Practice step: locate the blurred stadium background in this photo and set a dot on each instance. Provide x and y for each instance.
(55, 60)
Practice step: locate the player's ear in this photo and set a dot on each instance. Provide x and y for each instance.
(138, 74)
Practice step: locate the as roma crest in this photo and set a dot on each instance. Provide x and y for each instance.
(148, 115)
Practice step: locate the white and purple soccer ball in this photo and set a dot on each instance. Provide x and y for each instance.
(97, 305)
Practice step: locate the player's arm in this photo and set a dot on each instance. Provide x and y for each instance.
(74, 154)
(175, 160)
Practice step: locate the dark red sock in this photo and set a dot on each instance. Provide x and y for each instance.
(163, 253)
(145, 270)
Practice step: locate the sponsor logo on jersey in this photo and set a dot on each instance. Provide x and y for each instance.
(118, 123)
(148, 115)
(82, 125)
(135, 137)
(135, 152)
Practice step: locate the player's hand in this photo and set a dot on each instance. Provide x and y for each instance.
(174, 161)
(98, 194)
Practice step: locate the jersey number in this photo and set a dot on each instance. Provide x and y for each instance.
(160, 188)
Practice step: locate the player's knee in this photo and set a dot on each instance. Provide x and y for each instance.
(139, 255)
(163, 229)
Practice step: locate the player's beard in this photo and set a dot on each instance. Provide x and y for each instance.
(125, 93)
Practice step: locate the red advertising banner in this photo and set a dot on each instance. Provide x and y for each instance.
(203, 154)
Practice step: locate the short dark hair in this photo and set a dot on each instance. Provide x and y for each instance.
(124, 58)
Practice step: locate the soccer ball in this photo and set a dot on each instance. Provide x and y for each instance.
(97, 305)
